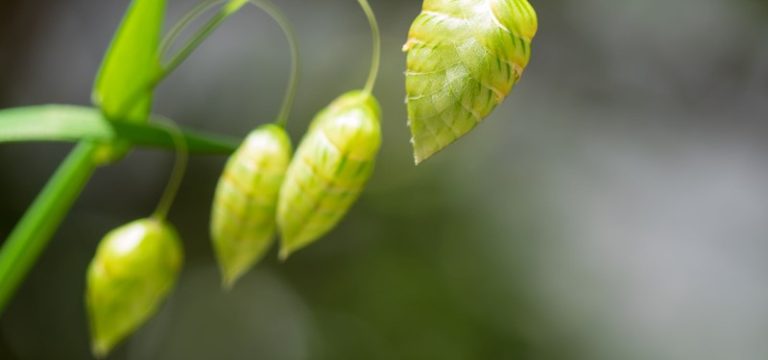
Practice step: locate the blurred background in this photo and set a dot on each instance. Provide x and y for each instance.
(614, 207)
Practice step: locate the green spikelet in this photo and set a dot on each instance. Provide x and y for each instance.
(135, 267)
(243, 216)
(330, 169)
(464, 57)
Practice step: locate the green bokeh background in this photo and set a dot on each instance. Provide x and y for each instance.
(614, 207)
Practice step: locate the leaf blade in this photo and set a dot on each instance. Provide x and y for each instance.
(122, 85)
(75, 123)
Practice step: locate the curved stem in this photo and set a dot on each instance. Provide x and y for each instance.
(230, 8)
(177, 174)
(190, 46)
(189, 17)
(376, 54)
(290, 36)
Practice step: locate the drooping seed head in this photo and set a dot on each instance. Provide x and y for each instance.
(464, 57)
(244, 207)
(331, 166)
(134, 268)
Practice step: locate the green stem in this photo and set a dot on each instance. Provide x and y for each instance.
(187, 50)
(189, 17)
(177, 174)
(31, 235)
(195, 40)
(376, 54)
(290, 36)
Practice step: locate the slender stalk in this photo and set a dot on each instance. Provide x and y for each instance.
(189, 17)
(190, 46)
(376, 53)
(31, 235)
(285, 25)
(177, 174)
(195, 40)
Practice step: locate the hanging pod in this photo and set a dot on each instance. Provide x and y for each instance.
(330, 168)
(464, 57)
(244, 206)
(333, 161)
(135, 267)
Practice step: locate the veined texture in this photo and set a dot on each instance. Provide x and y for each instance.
(464, 57)
(243, 215)
(330, 168)
(135, 267)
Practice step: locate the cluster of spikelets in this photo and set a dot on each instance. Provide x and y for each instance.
(464, 57)
(262, 191)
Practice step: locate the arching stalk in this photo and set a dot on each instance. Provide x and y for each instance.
(376, 40)
(182, 24)
(195, 40)
(290, 36)
(177, 174)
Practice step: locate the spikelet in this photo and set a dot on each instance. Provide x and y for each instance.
(331, 166)
(464, 57)
(135, 267)
(243, 215)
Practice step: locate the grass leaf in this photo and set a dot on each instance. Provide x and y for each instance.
(75, 123)
(123, 85)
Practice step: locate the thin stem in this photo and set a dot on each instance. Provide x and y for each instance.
(177, 174)
(31, 234)
(195, 40)
(290, 36)
(191, 45)
(189, 17)
(376, 54)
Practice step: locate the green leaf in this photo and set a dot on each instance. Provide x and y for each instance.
(74, 123)
(123, 86)
(234, 5)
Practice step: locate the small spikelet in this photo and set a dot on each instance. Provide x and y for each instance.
(135, 267)
(464, 57)
(243, 215)
(330, 169)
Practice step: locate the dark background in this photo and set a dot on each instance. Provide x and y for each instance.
(614, 207)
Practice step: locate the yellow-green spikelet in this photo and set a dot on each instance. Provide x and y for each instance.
(243, 215)
(464, 57)
(134, 268)
(331, 166)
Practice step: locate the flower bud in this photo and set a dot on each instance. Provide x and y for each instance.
(135, 267)
(330, 169)
(464, 57)
(243, 215)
